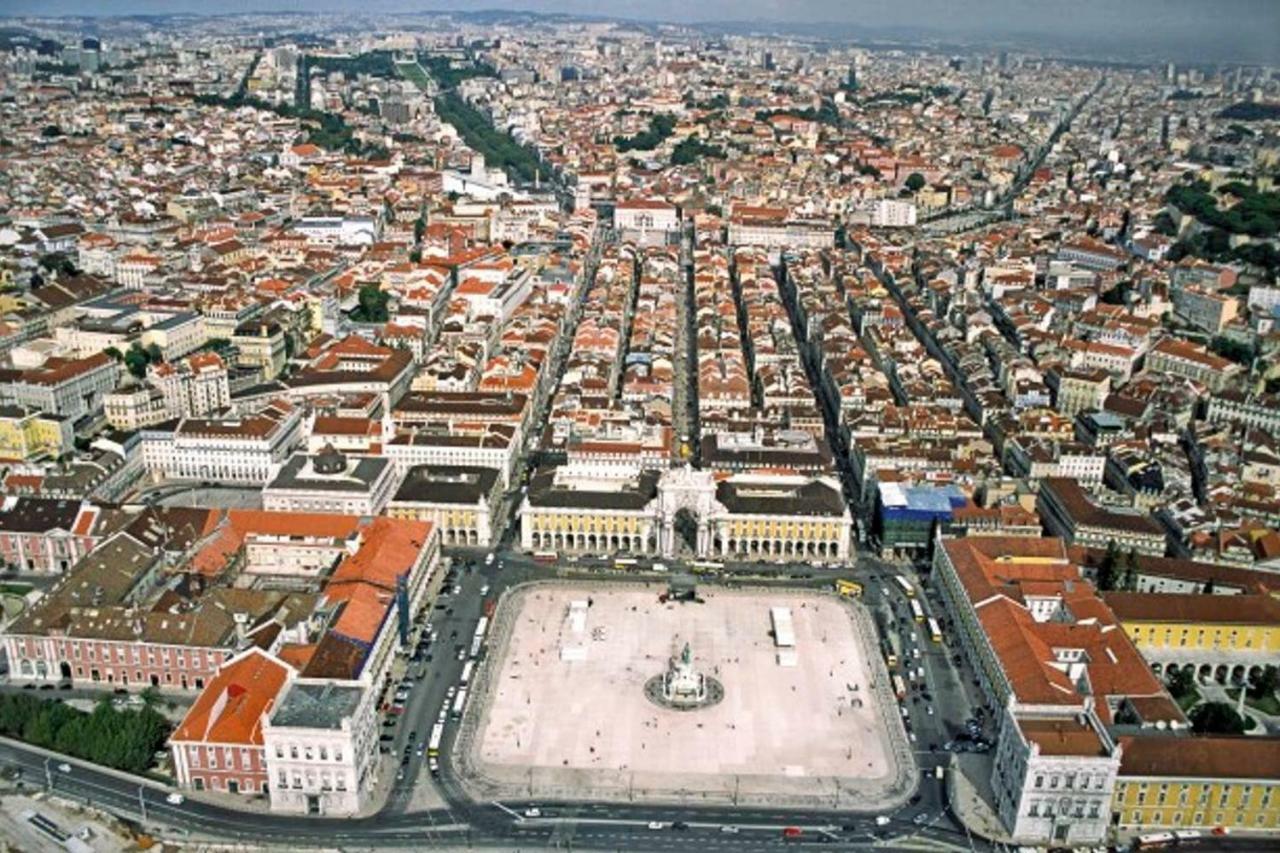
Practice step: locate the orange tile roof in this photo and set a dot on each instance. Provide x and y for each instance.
(230, 708)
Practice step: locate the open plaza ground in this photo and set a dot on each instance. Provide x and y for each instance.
(561, 709)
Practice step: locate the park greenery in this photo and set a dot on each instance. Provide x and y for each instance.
(691, 149)
(660, 127)
(325, 129)
(377, 63)
(1216, 718)
(1250, 111)
(123, 739)
(498, 148)
(827, 113)
(448, 76)
(1256, 213)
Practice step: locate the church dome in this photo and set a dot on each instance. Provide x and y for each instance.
(329, 461)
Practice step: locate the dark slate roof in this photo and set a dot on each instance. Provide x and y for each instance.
(453, 484)
(544, 493)
(809, 498)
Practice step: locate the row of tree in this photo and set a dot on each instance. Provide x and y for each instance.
(122, 739)
(497, 147)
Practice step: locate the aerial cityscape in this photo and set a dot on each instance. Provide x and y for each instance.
(640, 427)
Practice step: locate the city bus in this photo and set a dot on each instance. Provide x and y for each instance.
(706, 566)
(917, 612)
(467, 669)
(544, 556)
(458, 702)
(433, 745)
(899, 687)
(624, 563)
(905, 585)
(849, 589)
(477, 640)
(935, 632)
(1155, 840)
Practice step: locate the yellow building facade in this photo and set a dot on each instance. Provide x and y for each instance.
(26, 434)
(1198, 783)
(1226, 638)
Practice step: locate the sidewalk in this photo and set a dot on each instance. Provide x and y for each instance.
(971, 799)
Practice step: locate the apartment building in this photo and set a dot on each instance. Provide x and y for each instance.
(1068, 511)
(195, 386)
(1180, 358)
(71, 387)
(247, 450)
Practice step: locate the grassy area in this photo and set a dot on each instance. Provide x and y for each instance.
(15, 588)
(1266, 704)
(1188, 700)
(414, 73)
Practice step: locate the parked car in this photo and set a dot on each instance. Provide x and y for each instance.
(533, 812)
(175, 799)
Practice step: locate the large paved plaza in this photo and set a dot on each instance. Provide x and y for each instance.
(562, 710)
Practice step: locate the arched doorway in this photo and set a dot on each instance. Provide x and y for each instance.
(685, 526)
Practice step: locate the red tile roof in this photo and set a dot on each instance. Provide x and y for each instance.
(230, 708)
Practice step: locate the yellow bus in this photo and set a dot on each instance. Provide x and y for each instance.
(849, 589)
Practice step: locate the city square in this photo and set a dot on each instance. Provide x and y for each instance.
(563, 710)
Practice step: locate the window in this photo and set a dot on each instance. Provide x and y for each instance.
(293, 750)
(279, 751)
(1093, 809)
(324, 753)
(1035, 809)
(283, 779)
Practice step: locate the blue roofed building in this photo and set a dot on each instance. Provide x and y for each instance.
(905, 515)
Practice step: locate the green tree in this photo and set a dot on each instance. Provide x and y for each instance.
(114, 353)
(136, 360)
(1265, 684)
(915, 182)
(372, 305)
(1181, 682)
(1216, 718)
(1106, 573)
(154, 354)
(1129, 578)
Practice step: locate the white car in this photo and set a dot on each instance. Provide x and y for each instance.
(729, 829)
(484, 590)
(64, 767)
(175, 799)
(882, 820)
(533, 812)
(657, 824)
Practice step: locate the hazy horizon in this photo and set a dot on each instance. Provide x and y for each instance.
(1239, 30)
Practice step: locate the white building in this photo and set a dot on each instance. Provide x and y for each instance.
(495, 449)
(893, 213)
(321, 746)
(69, 387)
(646, 221)
(331, 482)
(339, 230)
(247, 450)
(193, 387)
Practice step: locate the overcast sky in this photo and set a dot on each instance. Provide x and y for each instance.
(1252, 25)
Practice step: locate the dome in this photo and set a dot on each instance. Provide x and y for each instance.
(329, 461)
